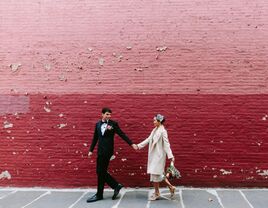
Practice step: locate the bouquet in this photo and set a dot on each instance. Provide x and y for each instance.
(172, 172)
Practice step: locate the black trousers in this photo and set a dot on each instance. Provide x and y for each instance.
(103, 175)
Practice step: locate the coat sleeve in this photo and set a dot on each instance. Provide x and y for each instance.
(94, 140)
(145, 142)
(122, 134)
(167, 148)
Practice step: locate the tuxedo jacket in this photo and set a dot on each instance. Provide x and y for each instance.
(106, 141)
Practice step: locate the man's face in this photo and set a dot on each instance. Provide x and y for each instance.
(106, 116)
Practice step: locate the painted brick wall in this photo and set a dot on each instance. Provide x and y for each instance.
(203, 64)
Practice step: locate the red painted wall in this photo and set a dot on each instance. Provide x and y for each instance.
(203, 64)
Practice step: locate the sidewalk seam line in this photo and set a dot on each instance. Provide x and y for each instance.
(36, 199)
(244, 196)
(78, 199)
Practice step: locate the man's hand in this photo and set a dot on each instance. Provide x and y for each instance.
(89, 154)
(134, 146)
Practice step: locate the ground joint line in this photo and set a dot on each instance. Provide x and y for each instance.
(244, 196)
(48, 192)
(78, 199)
(13, 192)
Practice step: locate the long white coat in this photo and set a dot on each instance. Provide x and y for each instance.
(159, 148)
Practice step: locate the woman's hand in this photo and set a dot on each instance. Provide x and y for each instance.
(135, 147)
(172, 161)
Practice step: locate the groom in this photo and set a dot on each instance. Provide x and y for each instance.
(104, 133)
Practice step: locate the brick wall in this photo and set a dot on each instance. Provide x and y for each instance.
(203, 64)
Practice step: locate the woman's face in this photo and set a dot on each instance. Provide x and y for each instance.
(156, 123)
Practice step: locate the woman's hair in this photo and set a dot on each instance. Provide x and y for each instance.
(160, 118)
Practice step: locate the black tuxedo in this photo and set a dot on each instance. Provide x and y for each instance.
(105, 151)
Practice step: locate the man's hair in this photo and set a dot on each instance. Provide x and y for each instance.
(105, 110)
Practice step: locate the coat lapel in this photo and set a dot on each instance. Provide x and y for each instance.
(156, 136)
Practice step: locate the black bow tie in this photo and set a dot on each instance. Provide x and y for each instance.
(102, 122)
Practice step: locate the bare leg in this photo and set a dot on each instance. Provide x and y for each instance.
(156, 188)
(171, 188)
(168, 183)
(156, 193)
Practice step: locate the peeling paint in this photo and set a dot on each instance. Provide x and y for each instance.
(7, 125)
(263, 173)
(138, 69)
(47, 67)
(226, 172)
(101, 61)
(264, 118)
(62, 78)
(47, 109)
(162, 48)
(15, 67)
(250, 178)
(60, 126)
(5, 175)
(118, 56)
(124, 159)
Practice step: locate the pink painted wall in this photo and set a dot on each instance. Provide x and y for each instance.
(203, 64)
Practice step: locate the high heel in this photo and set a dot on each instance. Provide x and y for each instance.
(172, 191)
(154, 197)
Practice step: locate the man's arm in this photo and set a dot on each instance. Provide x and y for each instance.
(122, 134)
(94, 141)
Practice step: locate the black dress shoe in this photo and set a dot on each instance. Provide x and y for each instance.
(117, 190)
(94, 198)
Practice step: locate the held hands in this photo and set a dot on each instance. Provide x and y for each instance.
(135, 147)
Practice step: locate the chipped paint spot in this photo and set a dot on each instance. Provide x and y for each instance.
(138, 69)
(47, 67)
(162, 48)
(101, 61)
(62, 78)
(264, 118)
(47, 109)
(124, 159)
(7, 125)
(259, 143)
(129, 47)
(250, 178)
(263, 173)
(61, 115)
(60, 126)
(14, 67)
(85, 144)
(225, 172)
(5, 175)
(90, 49)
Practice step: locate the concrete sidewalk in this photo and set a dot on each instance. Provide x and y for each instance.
(136, 198)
